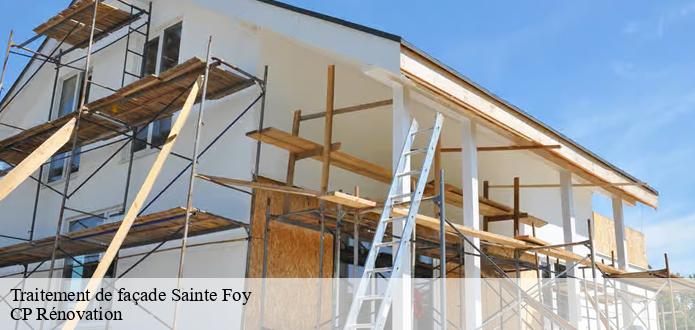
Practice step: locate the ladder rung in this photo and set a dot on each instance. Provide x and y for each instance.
(410, 194)
(422, 131)
(380, 270)
(396, 203)
(388, 243)
(416, 151)
(362, 326)
(408, 173)
(395, 219)
(372, 297)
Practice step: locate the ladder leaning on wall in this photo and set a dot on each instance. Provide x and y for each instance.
(411, 201)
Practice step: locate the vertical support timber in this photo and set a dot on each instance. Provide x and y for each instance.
(328, 129)
(517, 206)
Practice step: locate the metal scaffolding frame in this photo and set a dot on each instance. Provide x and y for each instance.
(142, 29)
(321, 212)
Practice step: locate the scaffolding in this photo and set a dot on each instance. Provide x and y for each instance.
(116, 120)
(350, 217)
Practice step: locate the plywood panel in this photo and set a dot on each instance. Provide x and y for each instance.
(605, 241)
(293, 252)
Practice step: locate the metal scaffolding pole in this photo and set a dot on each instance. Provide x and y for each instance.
(194, 165)
(80, 108)
(336, 266)
(442, 253)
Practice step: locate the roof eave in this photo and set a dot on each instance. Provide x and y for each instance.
(510, 107)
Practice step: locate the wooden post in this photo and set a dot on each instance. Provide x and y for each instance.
(356, 239)
(328, 129)
(486, 195)
(296, 120)
(291, 161)
(516, 207)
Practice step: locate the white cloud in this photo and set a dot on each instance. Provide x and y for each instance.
(672, 236)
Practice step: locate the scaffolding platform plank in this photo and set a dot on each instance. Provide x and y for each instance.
(148, 229)
(134, 105)
(258, 185)
(532, 240)
(75, 22)
(296, 144)
(347, 200)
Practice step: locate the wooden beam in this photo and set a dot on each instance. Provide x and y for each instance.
(504, 217)
(115, 245)
(460, 96)
(438, 166)
(364, 168)
(259, 185)
(359, 107)
(507, 148)
(517, 206)
(29, 165)
(348, 200)
(556, 185)
(328, 129)
(316, 152)
(292, 160)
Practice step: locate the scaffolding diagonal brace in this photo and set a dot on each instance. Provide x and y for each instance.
(136, 205)
(32, 163)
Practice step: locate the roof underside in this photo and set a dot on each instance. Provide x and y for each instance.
(467, 83)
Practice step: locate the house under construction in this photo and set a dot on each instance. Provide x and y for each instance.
(149, 139)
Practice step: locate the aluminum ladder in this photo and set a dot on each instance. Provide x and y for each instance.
(412, 202)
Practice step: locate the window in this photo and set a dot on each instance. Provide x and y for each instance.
(149, 66)
(67, 103)
(141, 139)
(84, 266)
(171, 43)
(160, 131)
(161, 54)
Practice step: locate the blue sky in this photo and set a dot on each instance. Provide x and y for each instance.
(615, 76)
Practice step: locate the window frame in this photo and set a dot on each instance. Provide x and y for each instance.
(110, 215)
(79, 81)
(159, 36)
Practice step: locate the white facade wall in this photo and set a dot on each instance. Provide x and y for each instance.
(297, 50)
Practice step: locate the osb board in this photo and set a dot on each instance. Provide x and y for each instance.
(75, 22)
(293, 252)
(147, 229)
(135, 104)
(604, 240)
